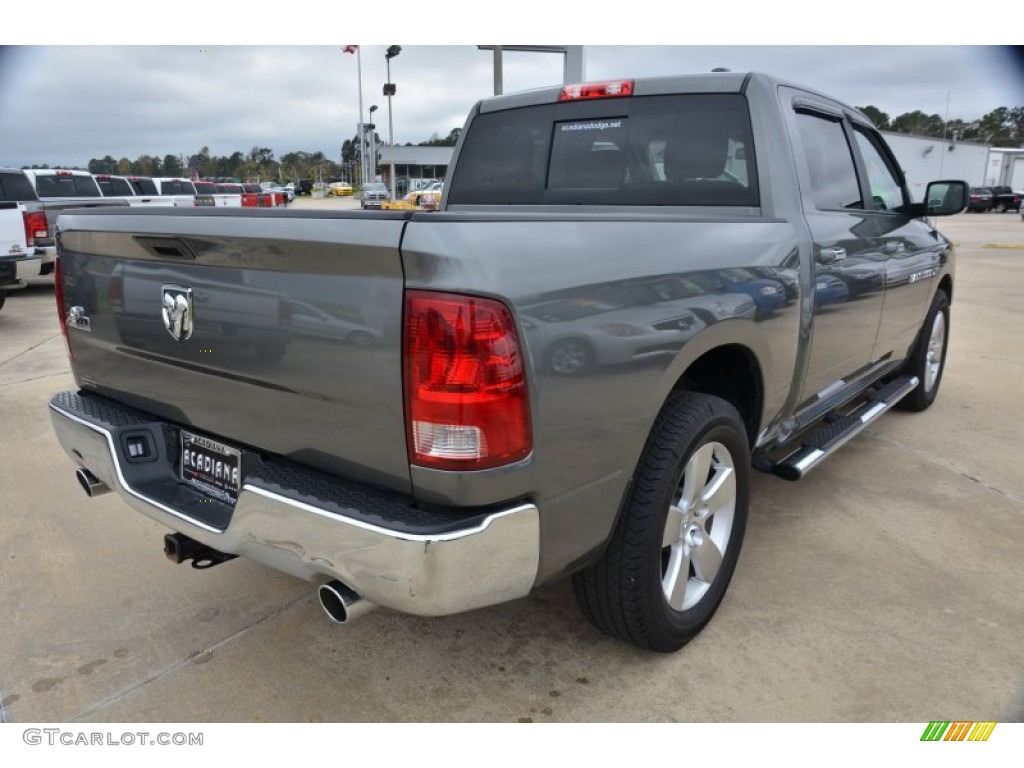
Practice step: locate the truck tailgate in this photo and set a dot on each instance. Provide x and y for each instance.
(279, 330)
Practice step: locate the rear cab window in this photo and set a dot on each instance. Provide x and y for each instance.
(143, 186)
(112, 187)
(14, 188)
(177, 187)
(689, 149)
(66, 185)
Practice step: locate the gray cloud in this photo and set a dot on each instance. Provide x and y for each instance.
(65, 104)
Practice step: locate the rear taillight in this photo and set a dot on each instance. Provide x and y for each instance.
(466, 401)
(35, 227)
(115, 291)
(607, 90)
(62, 315)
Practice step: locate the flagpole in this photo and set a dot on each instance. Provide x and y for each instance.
(362, 149)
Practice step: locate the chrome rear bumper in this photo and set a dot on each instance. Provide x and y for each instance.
(492, 559)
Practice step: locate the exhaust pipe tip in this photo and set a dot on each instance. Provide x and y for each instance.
(91, 484)
(341, 603)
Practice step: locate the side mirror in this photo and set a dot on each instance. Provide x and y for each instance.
(944, 198)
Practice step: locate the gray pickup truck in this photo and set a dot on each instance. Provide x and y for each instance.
(634, 294)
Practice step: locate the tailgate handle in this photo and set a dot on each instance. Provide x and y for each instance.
(166, 247)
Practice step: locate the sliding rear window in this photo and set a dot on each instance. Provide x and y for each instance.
(655, 150)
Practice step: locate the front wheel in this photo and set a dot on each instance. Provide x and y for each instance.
(928, 359)
(679, 533)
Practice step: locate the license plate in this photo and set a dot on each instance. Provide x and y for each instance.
(211, 466)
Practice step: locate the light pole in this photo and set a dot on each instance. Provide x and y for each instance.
(373, 144)
(389, 91)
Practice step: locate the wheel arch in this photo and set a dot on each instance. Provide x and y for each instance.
(946, 285)
(733, 373)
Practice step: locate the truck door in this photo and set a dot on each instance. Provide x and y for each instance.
(846, 268)
(912, 250)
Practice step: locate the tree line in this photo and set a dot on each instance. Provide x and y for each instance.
(258, 164)
(1002, 127)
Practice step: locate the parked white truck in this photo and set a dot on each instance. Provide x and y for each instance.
(18, 258)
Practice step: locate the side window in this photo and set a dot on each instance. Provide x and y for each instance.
(833, 174)
(886, 191)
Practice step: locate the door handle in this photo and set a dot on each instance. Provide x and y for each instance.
(828, 255)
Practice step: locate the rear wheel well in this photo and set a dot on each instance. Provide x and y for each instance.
(946, 286)
(733, 374)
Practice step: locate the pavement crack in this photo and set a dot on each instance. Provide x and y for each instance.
(33, 378)
(29, 349)
(183, 663)
(945, 465)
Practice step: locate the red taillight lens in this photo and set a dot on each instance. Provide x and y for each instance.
(466, 402)
(115, 291)
(35, 227)
(62, 315)
(607, 90)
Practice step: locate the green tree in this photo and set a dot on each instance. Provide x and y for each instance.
(172, 166)
(919, 124)
(877, 116)
(448, 141)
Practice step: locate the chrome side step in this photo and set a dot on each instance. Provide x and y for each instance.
(839, 429)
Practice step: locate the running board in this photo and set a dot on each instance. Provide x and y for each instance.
(838, 430)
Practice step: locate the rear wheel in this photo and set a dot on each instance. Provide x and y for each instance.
(570, 357)
(679, 534)
(928, 360)
(3, 298)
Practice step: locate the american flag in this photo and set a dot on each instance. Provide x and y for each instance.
(349, 48)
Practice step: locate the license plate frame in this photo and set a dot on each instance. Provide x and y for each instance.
(211, 466)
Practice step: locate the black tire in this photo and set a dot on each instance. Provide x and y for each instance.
(624, 593)
(3, 298)
(928, 359)
(570, 357)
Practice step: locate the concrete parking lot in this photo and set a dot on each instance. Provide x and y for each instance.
(887, 586)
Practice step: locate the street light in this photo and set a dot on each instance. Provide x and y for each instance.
(389, 91)
(373, 144)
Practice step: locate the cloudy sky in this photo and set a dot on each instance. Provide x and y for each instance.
(63, 105)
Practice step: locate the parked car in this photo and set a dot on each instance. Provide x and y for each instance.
(829, 289)
(431, 199)
(374, 194)
(304, 187)
(979, 199)
(339, 189)
(574, 335)
(282, 194)
(416, 196)
(1005, 199)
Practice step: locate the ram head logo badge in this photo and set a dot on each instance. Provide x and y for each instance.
(177, 311)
